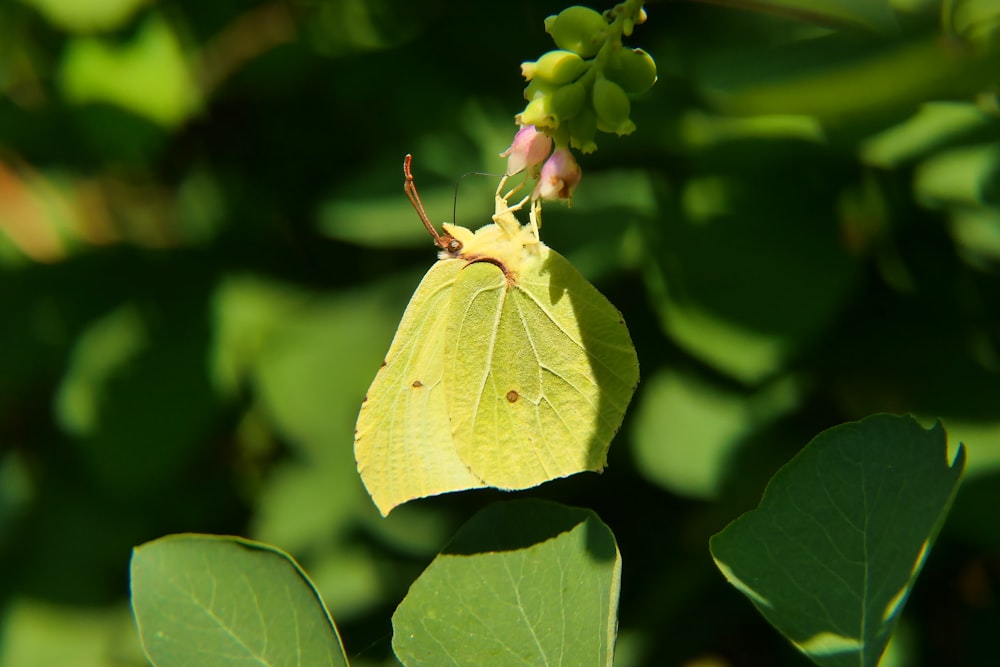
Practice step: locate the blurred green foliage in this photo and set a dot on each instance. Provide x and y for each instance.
(204, 252)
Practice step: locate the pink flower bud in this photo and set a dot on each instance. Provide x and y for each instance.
(529, 149)
(560, 176)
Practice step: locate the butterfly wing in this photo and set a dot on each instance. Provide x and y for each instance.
(539, 372)
(402, 443)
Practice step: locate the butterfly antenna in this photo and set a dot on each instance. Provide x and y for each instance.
(442, 241)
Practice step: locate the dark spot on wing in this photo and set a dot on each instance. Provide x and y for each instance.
(417, 384)
(383, 365)
(512, 396)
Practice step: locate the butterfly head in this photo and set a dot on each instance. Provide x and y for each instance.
(450, 246)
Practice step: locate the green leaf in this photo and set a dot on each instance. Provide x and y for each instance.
(841, 77)
(832, 551)
(149, 76)
(526, 582)
(976, 22)
(86, 15)
(875, 15)
(965, 177)
(224, 601)
(687, 429)
(977, 236)
(105, 349)
(935, 125)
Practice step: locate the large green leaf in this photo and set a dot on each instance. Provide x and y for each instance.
(830, 555)
(526, 582)
(223, 601)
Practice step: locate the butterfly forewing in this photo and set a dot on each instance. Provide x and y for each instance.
(403, 443)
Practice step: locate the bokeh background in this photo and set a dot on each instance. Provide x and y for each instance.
(205, 250)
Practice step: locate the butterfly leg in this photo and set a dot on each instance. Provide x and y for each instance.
(535, 217)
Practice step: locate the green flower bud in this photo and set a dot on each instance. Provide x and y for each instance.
(632, 21)
(557, 67)
(628, 127)
(538, 113)
(632, 69)
(578, 29)
(568, 100)
(583, 128)
(538, 88)
(612, 107)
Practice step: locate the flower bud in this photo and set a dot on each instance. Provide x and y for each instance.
(632, 21)
(538, 88)
(582, 129)
(577, 29)
(560, 176)
(632, 69)
(558, 67)
(567, 101)
(529, 149)
(538, 113)
(612, 107)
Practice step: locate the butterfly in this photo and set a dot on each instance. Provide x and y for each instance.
(508, 369)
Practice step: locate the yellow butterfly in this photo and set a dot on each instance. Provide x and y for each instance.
(508, 369)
